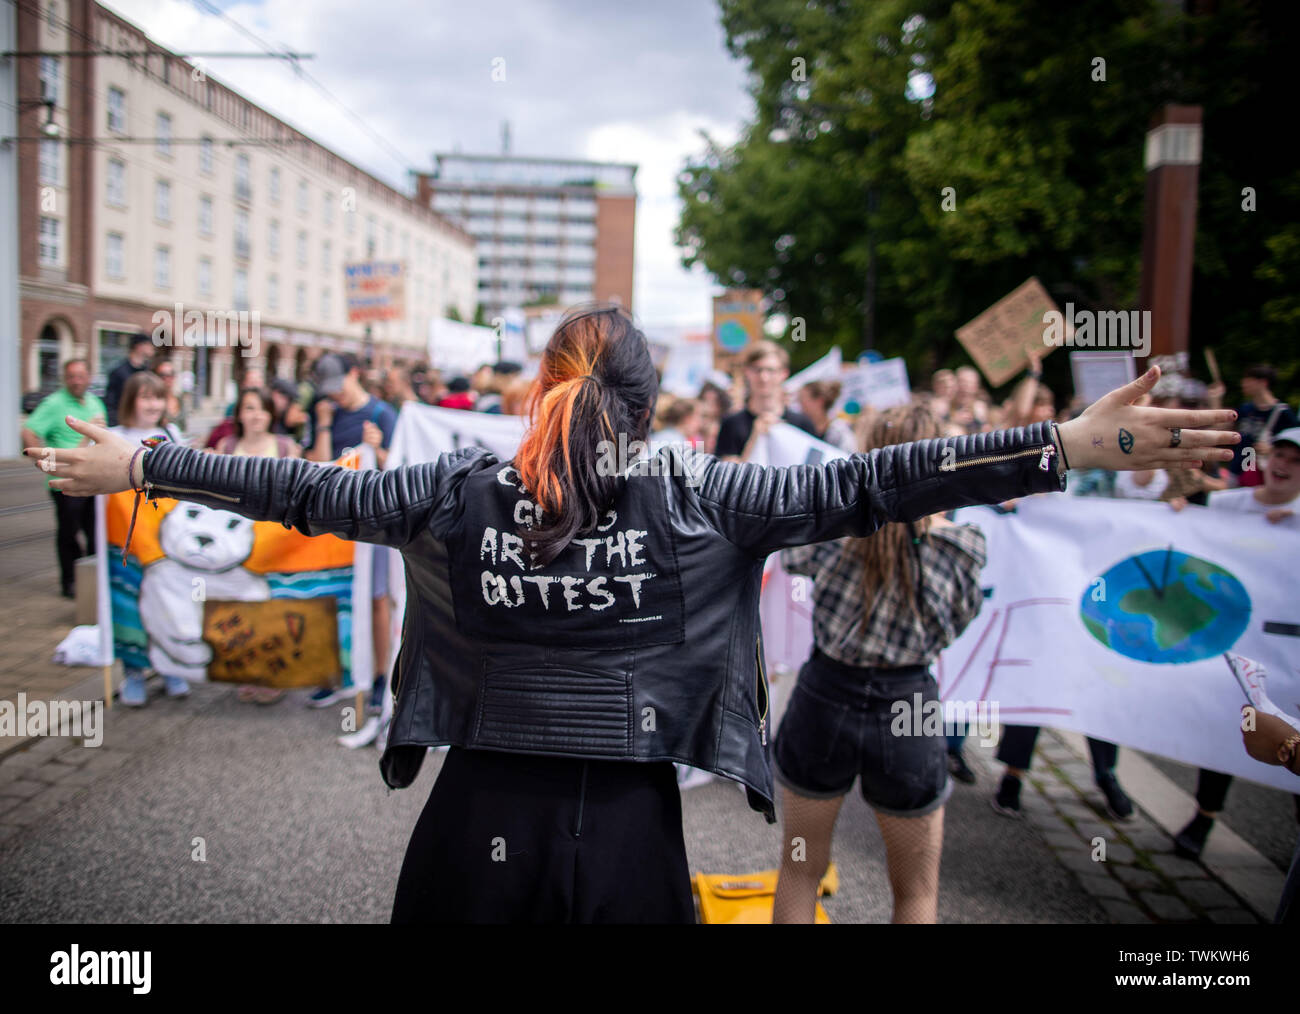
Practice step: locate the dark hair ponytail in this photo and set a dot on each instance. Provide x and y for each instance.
(596, 381)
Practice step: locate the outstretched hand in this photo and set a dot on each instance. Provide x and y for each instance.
(1116, 434)
(86, 471)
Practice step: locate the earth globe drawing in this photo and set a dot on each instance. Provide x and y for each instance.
(1166, 607)
(732, 336)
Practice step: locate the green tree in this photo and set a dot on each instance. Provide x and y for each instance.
(909, 162)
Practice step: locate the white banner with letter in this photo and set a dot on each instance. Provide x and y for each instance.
(1113, 618)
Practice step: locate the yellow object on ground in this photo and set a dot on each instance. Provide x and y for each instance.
(747, 897)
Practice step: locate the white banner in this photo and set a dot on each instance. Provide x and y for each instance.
(786, 619)
(828, 367)
(455, 347)
(1112, 618)
(686, 368)
(881, 385)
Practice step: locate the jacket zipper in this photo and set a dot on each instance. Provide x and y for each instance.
(1045, 453)
(201, 492)
(761, 685)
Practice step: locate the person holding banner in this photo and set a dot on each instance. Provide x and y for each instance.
(254, 416)
(576, 622)
(767, 365)
(142, 411)
(884, 608)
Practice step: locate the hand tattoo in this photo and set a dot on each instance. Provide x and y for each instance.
(1125, 441)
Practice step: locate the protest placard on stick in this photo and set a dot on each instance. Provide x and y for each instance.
(1000, 338)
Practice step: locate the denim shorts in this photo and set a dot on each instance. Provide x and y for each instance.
(841, 723)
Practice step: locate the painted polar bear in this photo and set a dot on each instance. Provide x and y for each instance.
(205, 551)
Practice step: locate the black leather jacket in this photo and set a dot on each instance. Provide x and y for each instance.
(641, 640)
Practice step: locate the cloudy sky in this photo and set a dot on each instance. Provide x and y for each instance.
(601, 79)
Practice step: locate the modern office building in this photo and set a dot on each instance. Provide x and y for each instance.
(145, 184)
(548, 229)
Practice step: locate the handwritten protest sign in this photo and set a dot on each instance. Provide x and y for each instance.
(999, 338)
(284, 643)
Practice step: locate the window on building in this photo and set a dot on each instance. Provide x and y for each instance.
(241, 289)
(116, 180)
(275, 186)
(300, 298)
(51, 16)
(350, 222)
(205, 215)
(273, 238)
(302, 197)
(205, 155)
(325, 256)
(117, 110)
(388, 239)
(162, 267)
(302, 249)
(51, 162)
(325, 303)
(371, 232)
(327, 208)
(205, 276)
(243, 182)
(163, 134)
(272, 292)
(49, 71)
(162, 201)
(115, 255)
(241, 234)
(51, 242)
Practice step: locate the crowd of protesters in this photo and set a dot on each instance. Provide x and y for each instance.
(340, 404)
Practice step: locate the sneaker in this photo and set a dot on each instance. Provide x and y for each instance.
(1007, 801)
(375, 706)
(1189, 842)
(363, 736)
(324, 697)
(176, 687)
(1117, 802)
(959, 769)
(133, 693)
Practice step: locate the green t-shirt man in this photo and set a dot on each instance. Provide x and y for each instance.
(48, 424)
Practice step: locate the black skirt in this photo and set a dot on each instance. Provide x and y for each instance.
(522, 838)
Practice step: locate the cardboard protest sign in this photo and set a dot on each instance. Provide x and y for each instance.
(999, 338)
(284, 643)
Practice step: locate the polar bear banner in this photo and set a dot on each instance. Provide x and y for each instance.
(204, 555)
(184, 557)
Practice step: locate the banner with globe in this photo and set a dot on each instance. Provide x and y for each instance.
(1112, 618)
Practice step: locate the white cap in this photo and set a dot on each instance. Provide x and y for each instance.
(1291, 436)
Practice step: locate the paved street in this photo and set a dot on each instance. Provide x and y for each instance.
(296, 828)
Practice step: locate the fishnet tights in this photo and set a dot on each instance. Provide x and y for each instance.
(913, 847)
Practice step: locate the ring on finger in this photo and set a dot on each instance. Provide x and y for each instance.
(1175, 436)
